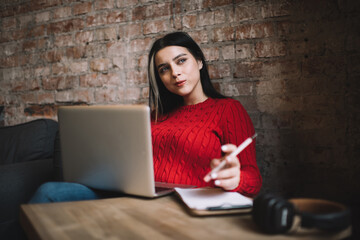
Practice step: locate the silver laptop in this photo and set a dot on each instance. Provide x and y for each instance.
(109, 148)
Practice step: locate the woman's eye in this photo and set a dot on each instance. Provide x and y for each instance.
(182, 60)
(163, 69)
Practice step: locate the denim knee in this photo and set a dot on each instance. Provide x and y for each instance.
(62, 192)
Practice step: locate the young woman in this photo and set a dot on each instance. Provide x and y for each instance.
(193, 124)
(194, 128)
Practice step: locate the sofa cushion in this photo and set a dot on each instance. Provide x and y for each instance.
(28, 141)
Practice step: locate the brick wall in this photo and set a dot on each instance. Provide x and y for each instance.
(294, 65)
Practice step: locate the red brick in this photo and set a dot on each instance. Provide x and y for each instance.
(9, 23)
(90, 80)
(41, 110)
(84, 96)
(273, 86)
(270, 49)
(59, 69)
(200, 36)
(17, 34)
(37, 31)
(116, 17)
(62, 12)
(286, 69)
(78, 67)
(53, 56)
(156, 26)
(151, 11)
(75, 52)
(276, 9)
(29, 97)
(105, 34)
(46, 97)
(189, 6)
(205, 19)
(139, 45)
(25, 21)
(51, 83)
(116, 48)
(126, 3)
(100, 65)
(103, 4)
(220, 16)
(68, 82)
(18, 85)
(109, 95)
(237, 89)
(10, 49)
(218, 71)
(245, 13)
(248, 70)
(66, 26)
(136, 77)
(97, 19)
(84, 37)
(130, 31)
(42, 17)
(132, 93)
(176, 23)
(211, 53)
(119, 62)
(63, 40)
(257, 30)
(189, 21)
(228, 52)
(145, 93)
(42, 71)
(216, 3)
(133, 62)
(244, 51)
(44, 4)
(64, 96)
(10, 61)
(224, 34)
(114, 79)
(29, 45)
(82, 8)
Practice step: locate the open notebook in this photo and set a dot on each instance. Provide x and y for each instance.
(214, 201)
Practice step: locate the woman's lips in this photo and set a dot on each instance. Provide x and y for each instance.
(180, 83)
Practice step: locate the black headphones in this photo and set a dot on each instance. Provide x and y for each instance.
(274, 214)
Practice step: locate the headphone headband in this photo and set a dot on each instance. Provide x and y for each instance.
(322, 214)
(276, 215)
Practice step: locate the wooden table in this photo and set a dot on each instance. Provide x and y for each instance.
(138, 218)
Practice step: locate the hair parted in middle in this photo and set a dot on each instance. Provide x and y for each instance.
(161, 100)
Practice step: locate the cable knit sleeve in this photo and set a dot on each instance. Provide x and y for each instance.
(237, 126)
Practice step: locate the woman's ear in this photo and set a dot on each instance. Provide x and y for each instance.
(200, 64)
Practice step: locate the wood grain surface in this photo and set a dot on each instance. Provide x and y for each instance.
(139, 218)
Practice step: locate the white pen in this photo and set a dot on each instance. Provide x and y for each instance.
(238, 150)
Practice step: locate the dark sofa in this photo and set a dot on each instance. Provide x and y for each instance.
(29, 156)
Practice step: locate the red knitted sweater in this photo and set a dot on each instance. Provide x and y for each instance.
(187, 139)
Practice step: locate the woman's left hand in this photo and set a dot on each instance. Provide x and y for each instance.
(228, 177)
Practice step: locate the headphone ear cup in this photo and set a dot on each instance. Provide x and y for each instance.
(273, 214)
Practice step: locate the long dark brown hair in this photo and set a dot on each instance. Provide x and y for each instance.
(161, 100)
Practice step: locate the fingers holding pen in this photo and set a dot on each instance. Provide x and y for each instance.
(226, 167)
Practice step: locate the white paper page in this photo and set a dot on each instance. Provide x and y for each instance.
(203, 198)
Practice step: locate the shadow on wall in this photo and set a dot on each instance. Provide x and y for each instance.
(309, 148)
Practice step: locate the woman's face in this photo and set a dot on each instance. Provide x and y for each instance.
(180, 73)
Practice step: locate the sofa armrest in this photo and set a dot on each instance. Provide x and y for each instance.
(28, 141)
(18, 182)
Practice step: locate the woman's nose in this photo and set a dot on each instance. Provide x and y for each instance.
(175, 71)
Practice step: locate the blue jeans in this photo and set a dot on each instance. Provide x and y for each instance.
(65, 192)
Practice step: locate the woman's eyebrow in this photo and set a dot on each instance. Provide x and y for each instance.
(178, 56)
